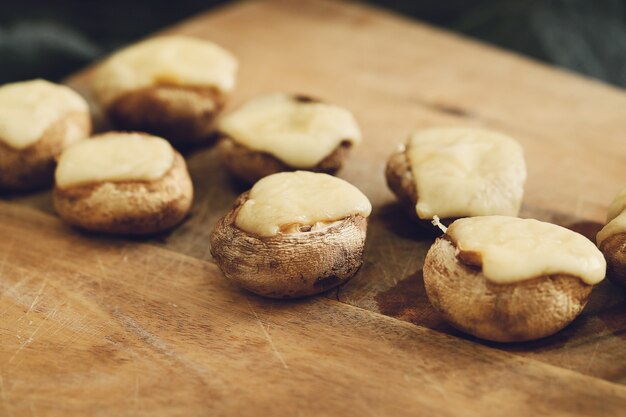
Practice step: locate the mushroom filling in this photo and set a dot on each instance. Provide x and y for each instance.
(293, 228)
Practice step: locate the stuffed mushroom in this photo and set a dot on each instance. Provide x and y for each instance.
(612, 239)
(284, 132)
(38, 119)
(170, 86)
(508, 279)
(293, 234)
(122, 183)
(454, 172)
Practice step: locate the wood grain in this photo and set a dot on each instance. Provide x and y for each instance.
(111, 327)
(396, 75)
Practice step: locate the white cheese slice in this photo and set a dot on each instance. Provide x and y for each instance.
(281, 200)
(514, 249)
(463, 172)
(165, 60)
(114, 157)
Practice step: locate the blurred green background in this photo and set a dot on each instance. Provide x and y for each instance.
(51, 39)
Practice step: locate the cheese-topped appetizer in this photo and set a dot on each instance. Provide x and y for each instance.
(171, 86)
(612, 239)
(293, 234)
(509, 279)
(125, 183)
(38, 119)
(286, 132)
(454, 172)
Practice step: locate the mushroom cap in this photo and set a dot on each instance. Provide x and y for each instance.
(400, 181)
(399, 176)
(250, 165)
(33, 167)
(525, 310)
(182, 115)
(289, 265)
(128, 207)
(614, 250)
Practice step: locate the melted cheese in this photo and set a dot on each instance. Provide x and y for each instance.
(462, 172)
(514, 249)
(167, 60)
(114, 157)
(299, 133)
(281, 200)
(616, 219)
(29, 108)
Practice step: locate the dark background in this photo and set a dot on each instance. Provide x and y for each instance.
(51, 39)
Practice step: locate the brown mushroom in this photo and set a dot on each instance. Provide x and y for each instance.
(614, 250)
(250, 165)
(183, 115)
(24, 168)
(612, 239)
(302, 259)
(246, 153)
(127, 206)
(400, 181)
(526, 309)
(170, 86)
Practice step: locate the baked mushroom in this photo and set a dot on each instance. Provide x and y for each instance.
(612, 239)
(508, 279)
(293, 234)
(285, 132)
(454, 172)
(170, 86)
(37, 120)
(122, 183)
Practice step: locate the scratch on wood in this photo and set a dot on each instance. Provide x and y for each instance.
(102, 273)
(435, 384)
(3, 395)
(12, 293)
(138, 400)
(159, 345)
(388, 278)
(268, 337)
(593, 355)
(69, 323)
(12, 290)
(32, 409)
(136, 389)
(123, 252)
(154, 341)
(392, 250)
(174, 264)
(5, 256)
(34, 303)
(31, 339)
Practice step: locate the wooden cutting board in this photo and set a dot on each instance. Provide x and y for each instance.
(116, 327)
